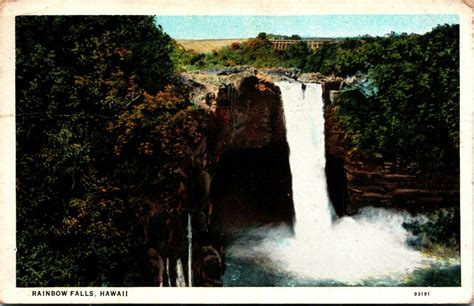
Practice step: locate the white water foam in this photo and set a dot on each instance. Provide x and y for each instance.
(350, 249)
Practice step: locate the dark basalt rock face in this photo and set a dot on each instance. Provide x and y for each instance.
(336, 183)
(240, 174)
(252, 187)
(252, 184)
(249, 114)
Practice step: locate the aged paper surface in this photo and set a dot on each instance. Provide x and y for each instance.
(9, 293)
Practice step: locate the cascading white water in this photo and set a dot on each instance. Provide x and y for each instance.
(371, 245)
(304, 123)
(350, 248)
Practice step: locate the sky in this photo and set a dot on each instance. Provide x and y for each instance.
(207, 27)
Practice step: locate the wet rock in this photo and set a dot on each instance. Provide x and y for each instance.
(311, 77)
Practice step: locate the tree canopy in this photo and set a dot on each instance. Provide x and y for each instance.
(83, 83)
(414, 115)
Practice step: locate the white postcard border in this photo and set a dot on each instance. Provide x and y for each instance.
(11, 294)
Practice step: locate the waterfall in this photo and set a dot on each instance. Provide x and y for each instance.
(180, 281)
(304, 122)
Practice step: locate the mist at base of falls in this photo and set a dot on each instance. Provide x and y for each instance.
(368, 249)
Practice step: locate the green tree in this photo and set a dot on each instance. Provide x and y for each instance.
(415, 114)
(297, 55)
(75, 75)
(262, 35)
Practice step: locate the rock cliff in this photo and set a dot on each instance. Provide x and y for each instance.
(240, 172)
(356, 181)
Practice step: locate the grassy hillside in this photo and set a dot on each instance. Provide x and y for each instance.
(207, 45)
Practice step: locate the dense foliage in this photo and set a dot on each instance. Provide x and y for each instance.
(89, 90)
(408, 105)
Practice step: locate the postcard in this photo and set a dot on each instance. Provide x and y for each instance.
(236, 152)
